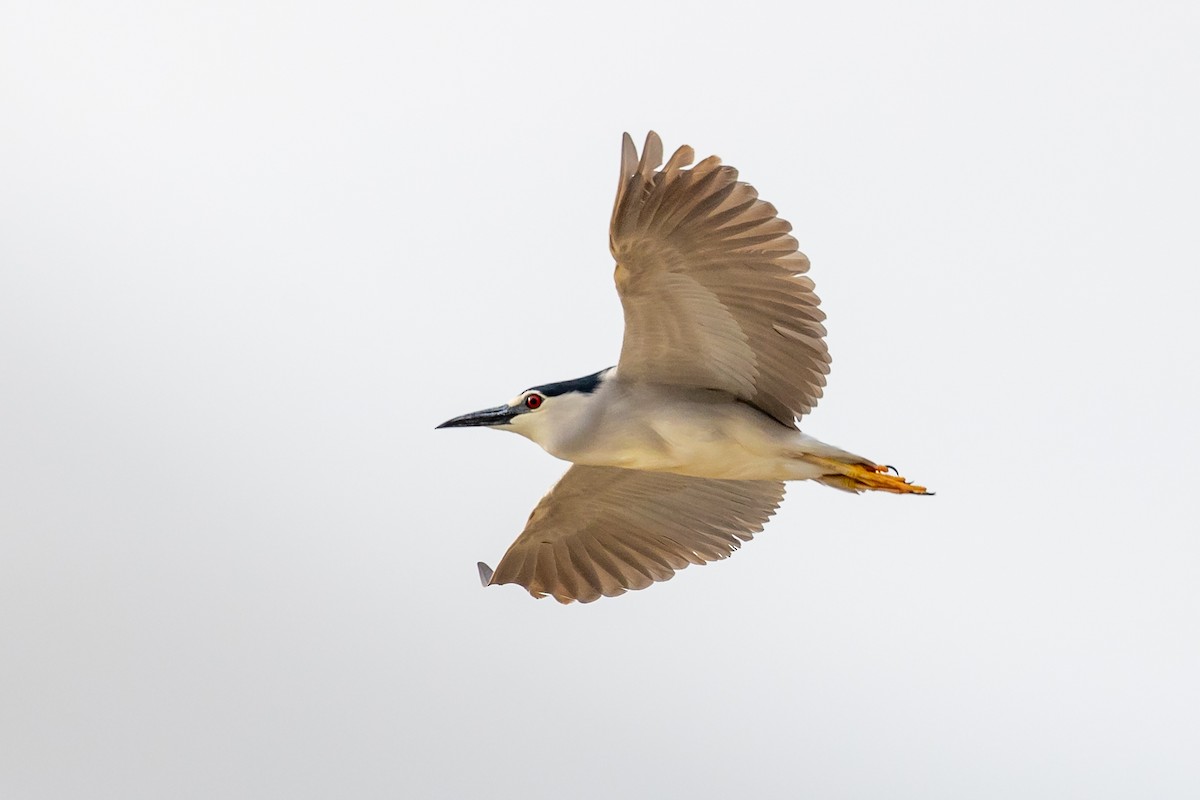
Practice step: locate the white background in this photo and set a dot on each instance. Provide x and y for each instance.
(251, 253)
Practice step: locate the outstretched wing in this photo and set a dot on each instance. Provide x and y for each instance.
(605, 530)
(711, 285)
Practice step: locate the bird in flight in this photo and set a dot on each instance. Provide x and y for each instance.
(679, 453)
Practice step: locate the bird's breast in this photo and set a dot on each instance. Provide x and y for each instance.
(704, 439)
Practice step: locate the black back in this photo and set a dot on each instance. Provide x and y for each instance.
(587, 384)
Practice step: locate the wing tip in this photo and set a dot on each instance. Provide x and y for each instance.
(652, 155)
(629, 156)
(485, 574)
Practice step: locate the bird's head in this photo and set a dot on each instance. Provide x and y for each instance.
(540, 413)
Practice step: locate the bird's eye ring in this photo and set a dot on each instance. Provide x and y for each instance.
(533, 401)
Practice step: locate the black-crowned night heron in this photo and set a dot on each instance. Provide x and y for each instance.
(679, 453)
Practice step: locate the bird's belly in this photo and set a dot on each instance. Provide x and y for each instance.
(731, 447)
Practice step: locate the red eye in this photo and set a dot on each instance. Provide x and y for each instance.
(533, 401)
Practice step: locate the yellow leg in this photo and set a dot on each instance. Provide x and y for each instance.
(861, 477)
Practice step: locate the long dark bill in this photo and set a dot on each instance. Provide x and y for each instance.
(500, 415)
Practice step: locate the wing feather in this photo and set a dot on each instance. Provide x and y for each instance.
(602, 531)
(710, 280)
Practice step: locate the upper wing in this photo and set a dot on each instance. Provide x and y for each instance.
(710, 282)
(604, 530)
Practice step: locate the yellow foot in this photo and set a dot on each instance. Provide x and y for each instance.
(860, 477)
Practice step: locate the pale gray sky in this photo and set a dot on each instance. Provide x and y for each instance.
(251, 253)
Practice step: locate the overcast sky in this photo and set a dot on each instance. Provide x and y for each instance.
(251, 253)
